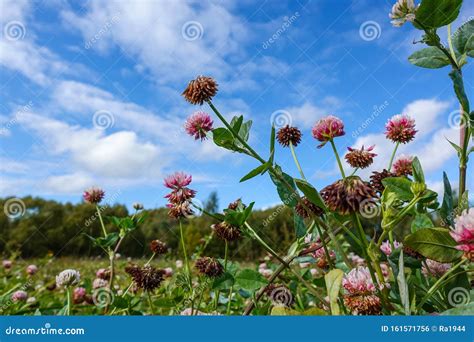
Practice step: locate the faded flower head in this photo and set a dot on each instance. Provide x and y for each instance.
(377, 177)
(210, 267)
(321, 258)
(93, 195)
(31, 269)
(103, 273)
(146, 278)
(305, 208)
(463, 232)
(19, 296)
(386, 247)
(79, 295)
(67, 278)
(7, 264)
(434, 268)
(328, 128)
(98, 283)
(360, 158)
(158, 247)
(287, 135)
(403, 166)
(198, 125)
(137, 206)
(400, 128)
(227, 232)
(402, 11)
(180, 197)
(346, 196)
(200, 90)
(367, 304)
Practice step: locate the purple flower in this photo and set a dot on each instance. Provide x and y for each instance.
(31, 269)
(180, 197)
(400, 128)
(403, 166)
(178, 180)
(19, 296)
(435, 268)
(79, 295)
(198, 125)
(328, 128)
(93, 195)
(386, 247)
(7, 264)
(463, 232)
(358, 280)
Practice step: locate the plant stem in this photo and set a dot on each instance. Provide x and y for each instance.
(337, 158)
(450, 44)
(101, 221)
(68, 294)
(229, 301)
(326, 251)
(150, 301)
(393, 156)
(293, 153)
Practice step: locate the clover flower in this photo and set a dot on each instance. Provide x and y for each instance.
(7, 264)
(403, 11)
(463, 232)
(210, 267)
(180, 197)
(328, 128)
(146, 278)
(360, 290)
(321, 258)
(99, 283)
(198, 125)
(289, 135)
(346, 196)
(359, 280)
(403, 166)
(360, 158)
(78, 295)
(386, 247)
(305, 208)
(435, 268)
(168, 272)
(400, 129)
(178, 180)
(377, 177)
(137, 206)
(158, 247)
(103, 273)
(31, 269)
(19, 296)
(200, 90)
(68, 278)
(227, 232)
(93, 195)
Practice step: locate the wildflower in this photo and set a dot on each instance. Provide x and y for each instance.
(78, 295)
(377, 177)
(227, 232)
(400, 129)
(179, 210)
(180, 197)
(321, 258)
(210, 267)
(103, 273)
(31, 301)
(463, 232)
(31, 269)
(435, 268)
(356, 259)
(198, 125)
(178, 180)
(98, 283)
(200, 90)
(328, 128)
(360, 158)
(19, 296)
(168, 272)
(368, 304)
(236, 205)
(403, 166)
(287, 135)
(346, 196)
(146, 278)
(386, 247)
(67, 278)
(360, 290)
(305, 208)
(7, 264)
(403, 11)
(158, 247)
(137, 206)
(93, 195)
(359, 280)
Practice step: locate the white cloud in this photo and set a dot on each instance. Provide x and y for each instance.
(68, 184)
(306, 115)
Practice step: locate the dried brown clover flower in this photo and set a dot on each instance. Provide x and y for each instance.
(360, 158)
(377, 177)
(226, 231)
(306, 205)
(363, 304)
(210, 267)
(287, 135)
(200, 90)
(158, 247)
(146, 278)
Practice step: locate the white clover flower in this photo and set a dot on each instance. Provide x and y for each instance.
(403, 11)
(67, 278)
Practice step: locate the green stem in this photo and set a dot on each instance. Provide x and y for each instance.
(354, 172)
(393, 156)
(101, 220)
(68, 293)
(150, 301)
(337, 158)
(293, 153)
(229, 301)
(450, 44)
(183, 246)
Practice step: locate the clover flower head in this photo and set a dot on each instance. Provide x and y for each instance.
(7, 264)
(137, 206)
(463, 232)
(78, 294)
(328, 128)
(178, 180)
(400, 128)
(198, 125)
(200, 90)
(289, 135)
(93, 195)
(19, 296)
(403, 166)
(210, 267)
(31, 269)
(67, 278)
(386, 247)
(360, 158)
(435, 268)
(403, 11)
(158, 247)
(358, 281)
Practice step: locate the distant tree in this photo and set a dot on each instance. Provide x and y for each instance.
(212, 203)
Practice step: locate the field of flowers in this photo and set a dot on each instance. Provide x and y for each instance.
(334, 266)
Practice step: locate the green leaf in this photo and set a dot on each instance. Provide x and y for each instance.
(458, 84)
(300, 228)
(434, 243)
(438, 13)
(401, 186)
(311, 193)
(224, 282)
(418, 174)
(456, 147)
(462, 310)
(447, 207)
(470, 47)
(286, 188)
(250, 280)
(430, 57)
(259, 170)
(223, 137)
(462, 36)
(236, 122)
(333, 281)
(421, 221)
(238, 217)
(402, 285)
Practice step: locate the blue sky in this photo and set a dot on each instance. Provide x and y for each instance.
(90, 92)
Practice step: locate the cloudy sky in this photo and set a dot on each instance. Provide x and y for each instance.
(90, 92)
